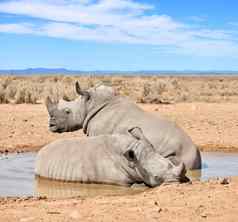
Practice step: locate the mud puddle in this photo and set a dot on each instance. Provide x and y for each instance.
(17, 177)
(216, 164)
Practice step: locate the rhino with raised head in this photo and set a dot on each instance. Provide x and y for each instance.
(111, 159)
(67, 116)
(99, 111)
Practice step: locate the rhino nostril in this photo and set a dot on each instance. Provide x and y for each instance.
(159, 180)
(170, 166)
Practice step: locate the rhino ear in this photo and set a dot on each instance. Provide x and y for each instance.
(81, 92)
(137, 133)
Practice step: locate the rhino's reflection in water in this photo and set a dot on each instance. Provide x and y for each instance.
(58, 189)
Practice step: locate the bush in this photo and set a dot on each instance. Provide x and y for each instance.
(3, 98)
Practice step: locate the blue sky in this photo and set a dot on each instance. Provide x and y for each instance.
(119, 34)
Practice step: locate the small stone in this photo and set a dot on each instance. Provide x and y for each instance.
(42, 198)
(204, 215)
(159, 210)
(53, 212)
(224, 181)
(26, 198)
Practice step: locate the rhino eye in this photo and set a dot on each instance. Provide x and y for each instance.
(130, 155)
(67, 111)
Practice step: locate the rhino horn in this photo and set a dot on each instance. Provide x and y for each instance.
(49, 104)
(81, 92)
(179, 170)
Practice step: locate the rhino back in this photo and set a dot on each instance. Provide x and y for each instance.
(124, 114)
(85, 160)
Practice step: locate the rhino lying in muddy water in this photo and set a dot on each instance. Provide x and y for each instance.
(110, 159)
(99, 111)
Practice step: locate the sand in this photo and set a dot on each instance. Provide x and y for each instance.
(212, 126)
(200, 201)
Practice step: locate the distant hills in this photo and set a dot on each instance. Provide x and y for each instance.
(63, 71)
(39, 71)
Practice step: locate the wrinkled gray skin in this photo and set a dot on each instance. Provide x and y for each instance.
(110, 159)
(99, 111)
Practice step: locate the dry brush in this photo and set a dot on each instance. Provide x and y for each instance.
(145, 89)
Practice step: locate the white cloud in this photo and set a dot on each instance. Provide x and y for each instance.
(23, 28)
(125, 21)
(105, 12)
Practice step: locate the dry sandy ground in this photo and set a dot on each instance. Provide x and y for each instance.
(211, 126)
(200, 201)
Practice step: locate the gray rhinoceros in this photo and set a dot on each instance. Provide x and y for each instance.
(99, 111)
(110, 159)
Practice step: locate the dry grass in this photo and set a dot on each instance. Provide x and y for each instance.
(151, 89)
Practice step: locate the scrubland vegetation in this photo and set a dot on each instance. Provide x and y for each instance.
(144, 89)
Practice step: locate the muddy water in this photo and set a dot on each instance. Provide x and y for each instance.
(17, 177)
(216, 164)
(17, 174)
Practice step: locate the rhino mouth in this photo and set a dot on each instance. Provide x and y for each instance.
(182, 179)
(53, 127)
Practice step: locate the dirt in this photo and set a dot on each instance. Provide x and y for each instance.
(199, 201)
(213, 127)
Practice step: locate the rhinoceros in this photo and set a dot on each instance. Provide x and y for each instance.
(99, 111)
(110, 159)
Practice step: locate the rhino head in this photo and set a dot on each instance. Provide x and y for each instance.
(68, 116)
(150, 165)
